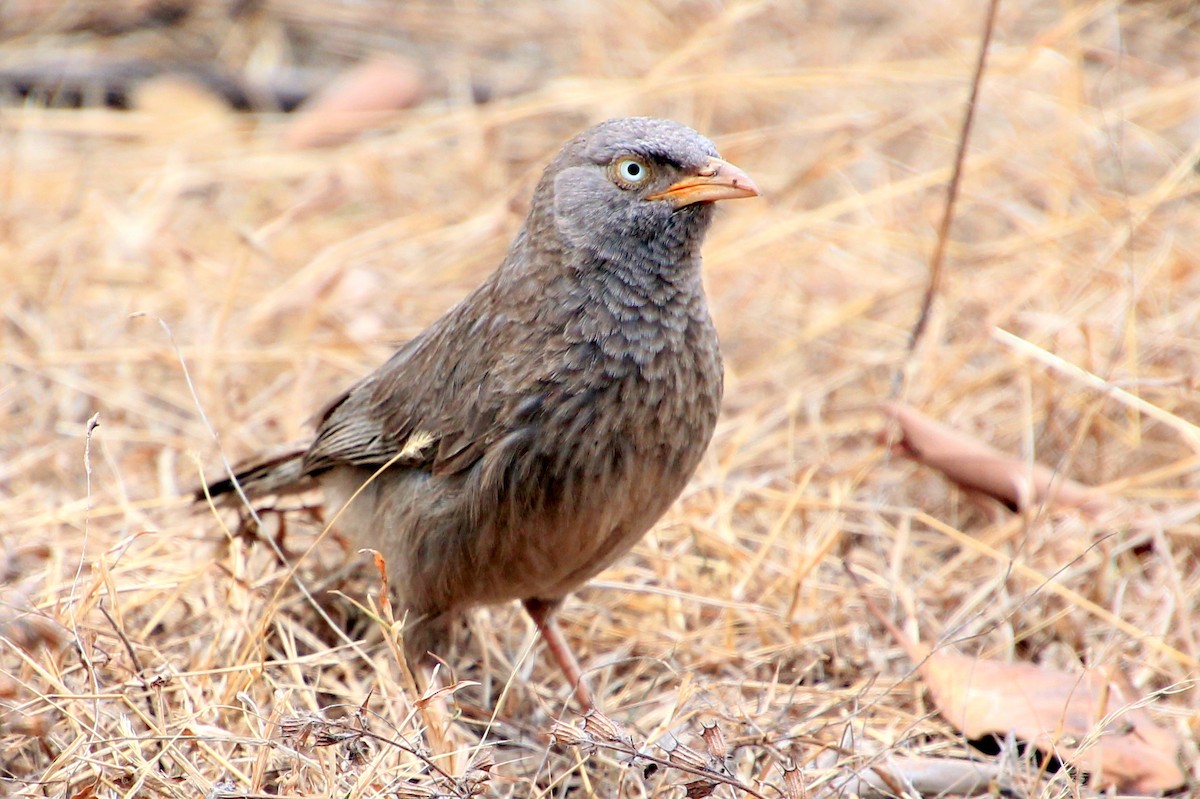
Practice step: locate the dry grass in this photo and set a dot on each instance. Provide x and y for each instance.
(149, 651)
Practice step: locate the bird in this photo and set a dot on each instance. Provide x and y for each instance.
(537, 430)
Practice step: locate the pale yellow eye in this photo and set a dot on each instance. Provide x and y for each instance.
(632, 171)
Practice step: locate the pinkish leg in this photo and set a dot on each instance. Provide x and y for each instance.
(542, 613)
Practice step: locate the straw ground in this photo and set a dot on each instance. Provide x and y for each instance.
(150, 649)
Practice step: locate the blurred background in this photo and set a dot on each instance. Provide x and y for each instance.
(214, 215)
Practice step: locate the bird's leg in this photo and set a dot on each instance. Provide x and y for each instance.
(542, 613)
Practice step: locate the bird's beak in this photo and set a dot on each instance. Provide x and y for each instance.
(716, 180)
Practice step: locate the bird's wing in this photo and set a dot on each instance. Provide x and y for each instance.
(439, 403)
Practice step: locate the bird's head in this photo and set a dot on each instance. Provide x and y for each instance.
(637, 186)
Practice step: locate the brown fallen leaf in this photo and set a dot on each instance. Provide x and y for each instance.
(357, 101)
(1090, 720)
(924, 776)
(1086, 719)
(980, 467)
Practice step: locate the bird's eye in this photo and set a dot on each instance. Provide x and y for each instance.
(631, 172)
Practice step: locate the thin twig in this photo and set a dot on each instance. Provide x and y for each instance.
(943, 235)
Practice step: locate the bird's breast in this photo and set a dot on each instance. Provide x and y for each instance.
(602, 442)
(637, 408)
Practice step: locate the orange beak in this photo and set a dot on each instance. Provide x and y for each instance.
(716, 180)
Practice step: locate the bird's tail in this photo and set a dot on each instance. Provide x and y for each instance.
(279, 472)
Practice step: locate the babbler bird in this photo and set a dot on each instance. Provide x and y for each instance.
(536, 431)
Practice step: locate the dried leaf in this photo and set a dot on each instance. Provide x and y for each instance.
(29, 630)
(479, 775)
(923, 776)
(980, 467)
(355, 752)
(605, 729)
(178, 100)
(1085, 719)
(793, 783)
(34, 726)
(357, 101)
(86, 791)
(683, 755)
(570, 735)
(698, 789)
(295, 730)
(714, 740)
